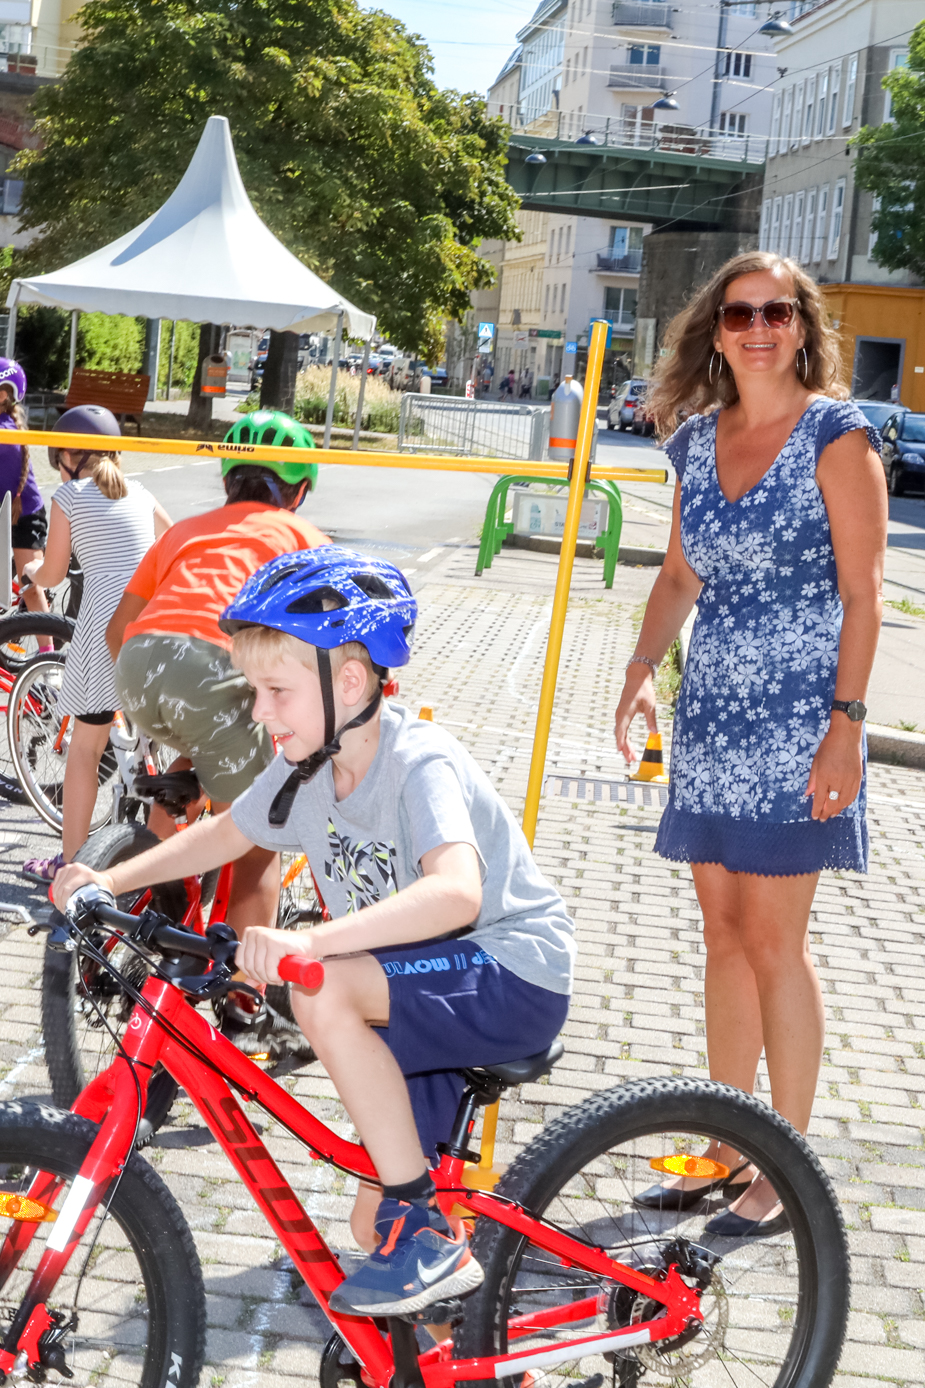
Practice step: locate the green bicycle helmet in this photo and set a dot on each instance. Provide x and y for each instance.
(272, 429)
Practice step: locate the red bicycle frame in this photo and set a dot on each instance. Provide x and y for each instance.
(112, 1101)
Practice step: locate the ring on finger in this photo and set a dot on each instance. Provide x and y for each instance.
(833, 795)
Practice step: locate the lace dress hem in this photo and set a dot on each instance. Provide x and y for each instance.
(767, 850)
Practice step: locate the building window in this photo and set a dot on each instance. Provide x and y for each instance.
(786, 225)
(560, 242)
(833, 99)
(798, 204)
(809, 109)
(899, 57)
(785, 123)
(568, 239)
(796, 129)
(620, 305)
(838, 204)
(775, 125)
(555, 296)
(584, 62)
(645, 54)
(774, 242)
(765, 225)
(737, 64)
(822, 92)
(808, 226)
(732, 123)
(872, 238)
(851, 84)
(546, 309)
(821, 209)
(562, 300)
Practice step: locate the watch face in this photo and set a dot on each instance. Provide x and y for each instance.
(856, 711)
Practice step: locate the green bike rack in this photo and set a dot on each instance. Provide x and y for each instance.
(496, 529)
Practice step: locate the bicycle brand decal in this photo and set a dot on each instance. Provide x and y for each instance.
(71, 1211)
(237, 1132)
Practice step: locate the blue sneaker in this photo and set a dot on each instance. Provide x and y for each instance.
(419, 1260)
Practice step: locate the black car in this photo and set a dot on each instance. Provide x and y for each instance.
(904, 452)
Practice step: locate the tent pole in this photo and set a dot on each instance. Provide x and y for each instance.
(173, 343)
(72, 353)
(359, 414)
(329, 416)
(11, 332)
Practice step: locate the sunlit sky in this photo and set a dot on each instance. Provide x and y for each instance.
(469, 41)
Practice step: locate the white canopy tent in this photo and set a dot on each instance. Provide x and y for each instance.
(205, 257)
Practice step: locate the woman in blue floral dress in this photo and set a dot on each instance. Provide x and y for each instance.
(779, 535)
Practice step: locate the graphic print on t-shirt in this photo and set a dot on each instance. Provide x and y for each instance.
(366, 867)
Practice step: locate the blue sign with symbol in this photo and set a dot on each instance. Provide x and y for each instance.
(571, 348)
(609, 326)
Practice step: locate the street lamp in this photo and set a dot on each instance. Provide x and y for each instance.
(587, 139)
(666, 103)
(535, 157)
(776, 25)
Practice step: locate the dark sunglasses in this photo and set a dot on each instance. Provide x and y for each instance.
(738, 317)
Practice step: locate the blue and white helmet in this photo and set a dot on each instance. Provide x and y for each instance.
(13, 376)
(328, 597)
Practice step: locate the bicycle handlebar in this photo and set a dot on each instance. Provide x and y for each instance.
(294, 968)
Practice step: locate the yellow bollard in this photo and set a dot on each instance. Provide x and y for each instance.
(576, 492)
(651, 765)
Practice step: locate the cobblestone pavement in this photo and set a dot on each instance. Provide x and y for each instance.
(638, 1005)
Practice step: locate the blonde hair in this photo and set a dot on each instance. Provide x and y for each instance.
(681, 379)
(106, 471)
(261, 646)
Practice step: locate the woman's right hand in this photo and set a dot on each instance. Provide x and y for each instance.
(638, 697)
(72, 876)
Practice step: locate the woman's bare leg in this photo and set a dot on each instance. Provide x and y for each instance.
(81, 783)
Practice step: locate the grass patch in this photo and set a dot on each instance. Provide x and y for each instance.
(906, 606)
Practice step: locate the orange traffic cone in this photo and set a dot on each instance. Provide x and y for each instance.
(427, 713)
(650, 765)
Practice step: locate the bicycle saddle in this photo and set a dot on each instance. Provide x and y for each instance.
(173, 790)
(522, 1071)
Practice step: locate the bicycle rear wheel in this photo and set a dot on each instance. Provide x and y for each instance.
(85, 1009)
(775, 1308)
(39, 742)
(140, 1306)
(21, 632)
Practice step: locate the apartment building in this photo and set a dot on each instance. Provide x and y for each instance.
(831, 84)
(594, 67)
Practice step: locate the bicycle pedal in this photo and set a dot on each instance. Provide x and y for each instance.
(449, 1312)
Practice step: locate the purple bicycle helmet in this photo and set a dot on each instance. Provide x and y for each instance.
(12, 375)
(87, 419)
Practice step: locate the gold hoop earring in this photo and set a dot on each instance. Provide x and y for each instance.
(713, 356)
(805, 372)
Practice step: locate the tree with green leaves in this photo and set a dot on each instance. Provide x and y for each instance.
(891, 164)
(377, 180)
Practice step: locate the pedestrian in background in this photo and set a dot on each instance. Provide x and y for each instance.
(778, 536)
(29, 529)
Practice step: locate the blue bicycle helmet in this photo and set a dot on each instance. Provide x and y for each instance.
(328, 597)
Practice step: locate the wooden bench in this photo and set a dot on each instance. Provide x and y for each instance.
(118, 391)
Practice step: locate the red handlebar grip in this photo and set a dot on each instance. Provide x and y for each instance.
(295, 968)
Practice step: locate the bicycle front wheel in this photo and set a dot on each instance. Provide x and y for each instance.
(133, 1288)
(39, 741)
(775, 1309)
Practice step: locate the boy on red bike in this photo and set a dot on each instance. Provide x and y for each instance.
(446, 947)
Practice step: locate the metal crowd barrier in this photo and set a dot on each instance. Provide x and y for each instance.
(478, 428)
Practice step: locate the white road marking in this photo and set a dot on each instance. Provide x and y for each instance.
(22, 1064)
(431, 554)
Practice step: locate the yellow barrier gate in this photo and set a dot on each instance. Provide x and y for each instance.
(555, 472)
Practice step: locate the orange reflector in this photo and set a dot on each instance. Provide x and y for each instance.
(299, 866)
(16, 649)
(683, 1165)
(21, 1207)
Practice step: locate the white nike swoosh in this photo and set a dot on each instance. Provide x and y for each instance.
(430, 1275)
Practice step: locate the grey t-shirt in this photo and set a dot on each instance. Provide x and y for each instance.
(422, 789)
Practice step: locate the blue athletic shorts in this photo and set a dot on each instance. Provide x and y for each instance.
(452, 1006)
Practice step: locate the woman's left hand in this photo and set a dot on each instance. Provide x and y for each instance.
(837, 766)
(31, 568)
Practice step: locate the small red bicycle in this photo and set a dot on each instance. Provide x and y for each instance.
(99, 1276)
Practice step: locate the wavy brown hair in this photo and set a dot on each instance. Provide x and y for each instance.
(681, 379)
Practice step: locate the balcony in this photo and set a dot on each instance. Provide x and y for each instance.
(621, 321)
(638, 14)
(631, 77)
(629, 264)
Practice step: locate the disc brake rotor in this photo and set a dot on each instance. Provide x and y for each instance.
(667, 1358)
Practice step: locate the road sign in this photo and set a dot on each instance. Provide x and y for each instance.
(571, 348)
(486, 332)
(520, 339)
(609, 330)
(545, 332)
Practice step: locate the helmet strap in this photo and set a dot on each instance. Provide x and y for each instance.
(74, 473)
(307, 769)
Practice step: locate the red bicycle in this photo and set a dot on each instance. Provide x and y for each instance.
(100, 1277)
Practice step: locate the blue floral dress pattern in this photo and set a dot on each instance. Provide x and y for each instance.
(760, 676)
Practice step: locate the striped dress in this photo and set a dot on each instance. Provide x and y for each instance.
(109, 539)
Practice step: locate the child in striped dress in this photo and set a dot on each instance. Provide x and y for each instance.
(109, 522)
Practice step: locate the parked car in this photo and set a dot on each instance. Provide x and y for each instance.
(622, 408)
(437, 375)
(904, 452)
(643, 423)
(877, 412)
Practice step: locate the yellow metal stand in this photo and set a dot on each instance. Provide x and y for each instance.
(586, 427)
